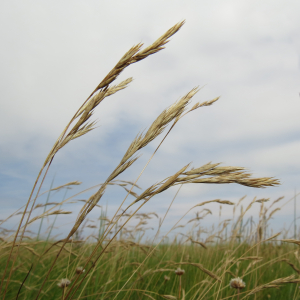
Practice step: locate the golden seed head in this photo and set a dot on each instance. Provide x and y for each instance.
(64, 283)
(237, 283)
(179, 272)
(80, 270)
(167, 278)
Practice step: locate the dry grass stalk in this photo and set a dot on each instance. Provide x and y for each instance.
(244, 212)
(210, 239)
(263, 200)
(56, 212)
(85, 201)
(170, 297)
(272, 213)
(256, 258)
(276, 201)
(199, 243)
(32, 251)
(19, 244)
(291, 241)
(274, 284)
(199, 266)
(272, 237)
(183, 294)
(206, 103)
(43, 205)
(160, 187)
(250, 266)
(150, 272)
(291, 264)
(67, 185)
(216, 200)
(226, 175)
(198, 217)
(157, 127)
(150, 297)
(229, 272)
(162, 270)
(240, 200)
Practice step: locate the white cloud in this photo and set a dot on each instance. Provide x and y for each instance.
(54, 54)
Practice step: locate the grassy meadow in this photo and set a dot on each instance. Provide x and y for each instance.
(238, 258)
(130, 268)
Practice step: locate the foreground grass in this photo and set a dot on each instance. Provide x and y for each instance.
(155, 277)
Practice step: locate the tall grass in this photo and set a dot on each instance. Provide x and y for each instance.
(117, 264)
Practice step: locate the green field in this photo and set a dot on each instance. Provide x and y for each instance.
(132, 270)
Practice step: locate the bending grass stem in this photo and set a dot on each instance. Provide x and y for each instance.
(111, 224)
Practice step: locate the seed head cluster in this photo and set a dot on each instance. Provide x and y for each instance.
(179, 272)
(237, 283)
(64, 283)
(80, 270)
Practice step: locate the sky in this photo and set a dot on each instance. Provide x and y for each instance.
(54, 53)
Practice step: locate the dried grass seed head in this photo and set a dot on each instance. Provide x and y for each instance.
(80, 270)
(237, 283)
(63, 283)
(179, 272)
(160, 123)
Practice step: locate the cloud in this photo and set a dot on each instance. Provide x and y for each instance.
(54, 55)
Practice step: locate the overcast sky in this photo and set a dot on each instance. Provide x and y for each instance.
(54, 53)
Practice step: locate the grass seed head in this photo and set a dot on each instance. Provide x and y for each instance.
(80, 270)
(237, 283)
(179, 272)
(64, 283)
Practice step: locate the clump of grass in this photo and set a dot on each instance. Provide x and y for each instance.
(124, 259)
(207, 270)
